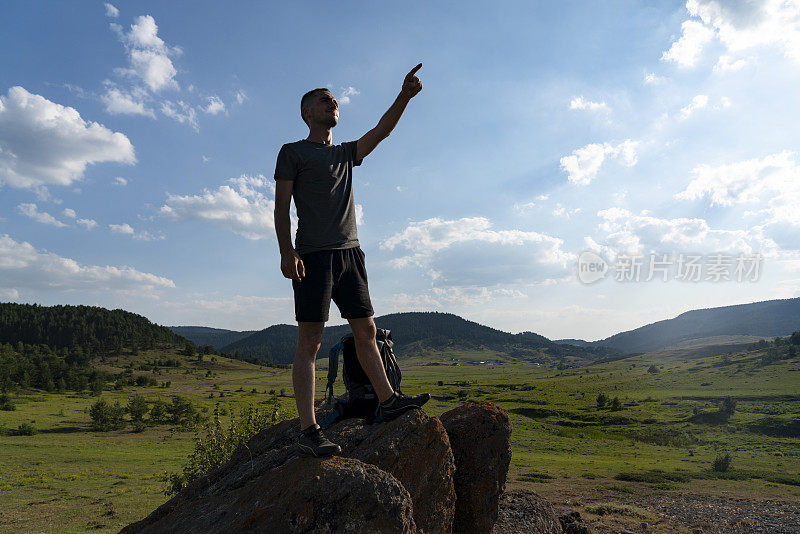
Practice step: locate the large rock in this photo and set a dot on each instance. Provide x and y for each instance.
(480, 437)
(524, 511)
(266, 487)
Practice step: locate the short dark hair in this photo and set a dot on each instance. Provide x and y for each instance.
(307, 97)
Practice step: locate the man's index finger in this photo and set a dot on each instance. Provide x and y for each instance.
(414, 70)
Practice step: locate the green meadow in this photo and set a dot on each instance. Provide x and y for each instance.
(668, 429)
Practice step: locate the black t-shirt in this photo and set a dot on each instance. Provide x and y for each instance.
(323, 193)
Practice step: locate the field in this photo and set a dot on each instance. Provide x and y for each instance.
(616, 465)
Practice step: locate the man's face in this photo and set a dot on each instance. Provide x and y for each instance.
(324, 110)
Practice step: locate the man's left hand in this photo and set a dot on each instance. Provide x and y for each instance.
(411, 84)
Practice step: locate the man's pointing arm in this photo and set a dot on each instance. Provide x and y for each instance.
(411, 87)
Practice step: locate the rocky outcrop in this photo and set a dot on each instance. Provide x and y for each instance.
(480, 437)
(417, 475)
(525, 511)
(266, 487)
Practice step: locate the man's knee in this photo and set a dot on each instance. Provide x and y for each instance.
(309, 340)
(363, 329)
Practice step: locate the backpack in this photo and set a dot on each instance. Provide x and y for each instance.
(360, 399)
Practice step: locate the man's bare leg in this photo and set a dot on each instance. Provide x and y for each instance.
(369, 357)
(309, 339)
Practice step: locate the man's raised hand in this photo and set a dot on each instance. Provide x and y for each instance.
(411, 84)
(292, 266)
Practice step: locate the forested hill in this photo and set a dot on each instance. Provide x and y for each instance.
(413, 333)
(770, 318)
(91, 328)
(216, 337)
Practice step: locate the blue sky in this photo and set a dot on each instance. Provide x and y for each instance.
(138, 143)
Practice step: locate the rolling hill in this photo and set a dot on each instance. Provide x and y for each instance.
(742, 323)
(216, 337)
(413, 333)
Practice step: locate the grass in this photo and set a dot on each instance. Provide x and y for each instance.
(67, 478)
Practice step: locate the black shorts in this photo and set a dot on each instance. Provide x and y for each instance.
(332, 274)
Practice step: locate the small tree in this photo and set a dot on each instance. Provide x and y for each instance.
(652, 369)
(137, 408)
(105, 416)
(616, 405)
(728, 406)
(721, 463)
(601, 401)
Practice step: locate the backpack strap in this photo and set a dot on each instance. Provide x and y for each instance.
(333, 369)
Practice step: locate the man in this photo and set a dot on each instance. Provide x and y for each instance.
(327, 261)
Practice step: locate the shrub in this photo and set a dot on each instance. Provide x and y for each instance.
(6, 404)
(217, 443)
(721, 463)
(182, 412)
(105, 416)
(158, 412)
(24, 429)
(601, 401)
(652, 369)
(616, 405)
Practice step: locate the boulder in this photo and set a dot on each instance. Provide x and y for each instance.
(480, 437)
(524, 511)
(266, 487)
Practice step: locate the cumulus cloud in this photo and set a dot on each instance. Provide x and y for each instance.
(771, 184)
(214, 106)
(468, 251)
(724, 64)
(445, 298)
(111, 11)
(120, 181)
(148, 55)
(125, 228)
(23, 266)
(43, 143)
(8, 293)
(698, 102)
(118, 102)
(68, 212)
(584, 163)
(650, 78)
(243, 207)
(359, 214)
(739, 26)
(580, 103)
(89, 224)
(346, 93)
(181, 112)
(32, 211)
(629, 233)
(241, 96)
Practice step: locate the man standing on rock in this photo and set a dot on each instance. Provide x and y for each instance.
(328, 262)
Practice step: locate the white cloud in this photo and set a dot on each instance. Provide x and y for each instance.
(32, 211)
(698, 102)
(739, 26)
(241, 96)
(181, 112)
(21, 265)
(625, 232)
(148, 55)
(127, 229)
(44, 143)
(69, 213)
(580, 103)
(650, 78)
(446, 298)
(359, 214)
(88, 223)
(242, 207)
(124, 228)
(126, 103)
(468, 251)
(8, 293)
(346, 93)
(584, 163)
(771, 183)
(111, 11)
(120, 181)
(725, 64)
(215, 106)
(206, 159)
(686, 50)
(562, 211)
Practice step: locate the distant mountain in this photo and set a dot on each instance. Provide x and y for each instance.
(576, 342)
(767, 319)
(216, 337)
(415, 332)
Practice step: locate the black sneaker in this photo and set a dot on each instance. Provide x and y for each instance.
(399, 404)
(312, 442)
